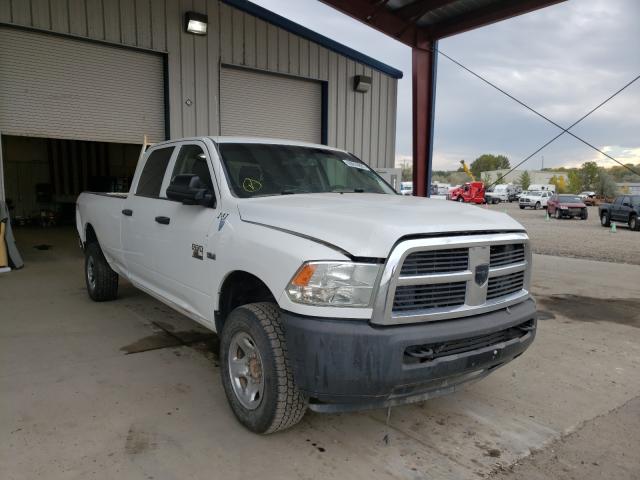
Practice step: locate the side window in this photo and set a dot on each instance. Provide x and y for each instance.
(626, 200)
(191, 159)
(618, 201)
(153, 172)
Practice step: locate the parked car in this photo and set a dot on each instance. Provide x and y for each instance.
(406, 188)
(567, 206)
(534, 199)
(504, 193)
(262, 242)
(624, 209)
(589, 198)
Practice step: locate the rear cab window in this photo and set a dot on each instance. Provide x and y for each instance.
(150, 181)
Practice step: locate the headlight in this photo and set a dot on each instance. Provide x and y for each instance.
(334, 284)
(563, 207)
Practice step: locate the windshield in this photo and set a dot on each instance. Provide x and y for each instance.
(569, 199)
(255, 170)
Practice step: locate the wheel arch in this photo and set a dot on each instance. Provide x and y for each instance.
(90, 235)
(240, 287)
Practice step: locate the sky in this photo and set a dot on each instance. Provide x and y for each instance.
(562, 60)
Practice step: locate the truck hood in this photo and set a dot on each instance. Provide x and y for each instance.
(368, 225)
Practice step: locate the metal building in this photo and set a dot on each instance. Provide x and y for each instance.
(82, 81)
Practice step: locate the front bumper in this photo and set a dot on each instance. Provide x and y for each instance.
(346, 365)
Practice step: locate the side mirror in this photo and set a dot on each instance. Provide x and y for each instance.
(189, 189)
(626, 204)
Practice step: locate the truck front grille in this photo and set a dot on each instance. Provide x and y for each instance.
(418, 297)
(506, 254)
(434, 261)
(436, 279)
(505, 285)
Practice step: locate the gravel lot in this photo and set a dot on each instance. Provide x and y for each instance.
(576, 238)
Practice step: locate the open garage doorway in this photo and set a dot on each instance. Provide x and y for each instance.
(44, 176)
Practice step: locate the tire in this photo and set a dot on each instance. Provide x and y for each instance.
(521, 207)
(538, 206)
(605, 221)
(101, 280)
(279, 404)
(557, 213)
(460, 199)
(634, 224)
(585, 214)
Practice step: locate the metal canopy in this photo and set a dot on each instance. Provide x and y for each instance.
(409, 20)
(420, 24)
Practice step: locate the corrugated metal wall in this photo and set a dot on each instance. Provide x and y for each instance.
(361, 123)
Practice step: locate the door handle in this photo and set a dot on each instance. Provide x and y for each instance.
(128, 212)
(163, 220)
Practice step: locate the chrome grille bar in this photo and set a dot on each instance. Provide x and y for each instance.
(440, 281)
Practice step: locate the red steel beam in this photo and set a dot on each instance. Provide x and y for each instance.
(424, 89)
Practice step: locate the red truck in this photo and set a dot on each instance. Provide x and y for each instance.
(470, 192)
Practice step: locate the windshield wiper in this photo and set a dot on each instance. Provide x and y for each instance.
(355, 190)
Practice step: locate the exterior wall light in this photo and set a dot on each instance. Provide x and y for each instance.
(195, 23)
(361, 83)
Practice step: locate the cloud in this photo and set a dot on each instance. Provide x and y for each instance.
(562, 60)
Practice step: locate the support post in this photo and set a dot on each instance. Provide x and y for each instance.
(423, 72)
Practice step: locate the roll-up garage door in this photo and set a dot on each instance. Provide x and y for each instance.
(268, 105)
(57, 87)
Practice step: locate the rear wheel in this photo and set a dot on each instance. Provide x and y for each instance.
(256, 373)
(605, 221)
(633, 223)
(521, 207)
(101, 280)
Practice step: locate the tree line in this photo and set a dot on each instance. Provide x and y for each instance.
(588, 177)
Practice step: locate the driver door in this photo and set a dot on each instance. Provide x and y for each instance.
(184, 256)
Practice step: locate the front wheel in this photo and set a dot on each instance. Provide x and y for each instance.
(460, 199)
(256, 373)
(558, 215)
(521, 207)
(585, 214)
(605, 221)
(101, 280)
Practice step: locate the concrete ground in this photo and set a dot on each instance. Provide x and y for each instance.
(129, 389)
(576, 238)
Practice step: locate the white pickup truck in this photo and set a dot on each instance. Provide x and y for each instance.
(327, 289)
(536, 199)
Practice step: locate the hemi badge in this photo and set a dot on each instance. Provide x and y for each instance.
(211, 255)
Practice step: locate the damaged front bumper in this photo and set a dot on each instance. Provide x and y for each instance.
(344, 365)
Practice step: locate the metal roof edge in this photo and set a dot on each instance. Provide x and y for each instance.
(296, 28)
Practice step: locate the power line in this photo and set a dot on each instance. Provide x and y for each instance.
(564, 130)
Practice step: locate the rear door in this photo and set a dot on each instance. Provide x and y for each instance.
(185, 251)
(140, 227)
